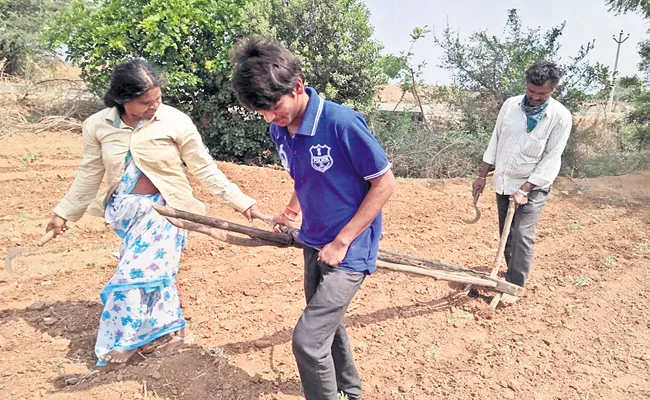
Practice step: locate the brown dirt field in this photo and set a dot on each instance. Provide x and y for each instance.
(581, 332)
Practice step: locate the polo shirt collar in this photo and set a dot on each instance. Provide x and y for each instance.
(313, 111)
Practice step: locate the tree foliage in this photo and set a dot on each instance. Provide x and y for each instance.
(641, 7)
(189, 42)
(21, 23)
(625, 6)
(644, 54)
(332, 39)
(639, 117)
(402, 68)
(489, 69)
(635, 88)
(628, 88)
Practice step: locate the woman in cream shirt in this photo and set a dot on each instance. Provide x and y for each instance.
(145, 149)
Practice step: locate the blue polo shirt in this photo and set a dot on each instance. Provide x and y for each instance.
(331, 158)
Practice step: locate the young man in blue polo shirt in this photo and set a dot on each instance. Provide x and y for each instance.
(342, 179)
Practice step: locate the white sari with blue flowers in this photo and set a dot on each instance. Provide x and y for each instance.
(141, 301)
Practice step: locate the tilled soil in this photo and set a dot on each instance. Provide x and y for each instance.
(581, 332)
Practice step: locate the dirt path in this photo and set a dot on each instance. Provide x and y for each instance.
(582, 331)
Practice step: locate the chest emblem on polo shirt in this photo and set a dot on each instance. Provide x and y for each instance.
(321, 160)
(284, 160)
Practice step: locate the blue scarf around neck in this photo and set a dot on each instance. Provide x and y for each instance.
(534, 114)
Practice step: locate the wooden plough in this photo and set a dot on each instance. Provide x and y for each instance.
(219, 229)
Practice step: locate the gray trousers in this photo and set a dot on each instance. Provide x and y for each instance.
(521, 241)
(320, 343)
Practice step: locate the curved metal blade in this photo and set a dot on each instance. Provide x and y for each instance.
(13, 253)
(478, 212)
(476, 218)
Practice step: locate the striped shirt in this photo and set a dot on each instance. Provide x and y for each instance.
(519, 156)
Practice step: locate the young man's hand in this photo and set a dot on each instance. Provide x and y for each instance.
(333, 253)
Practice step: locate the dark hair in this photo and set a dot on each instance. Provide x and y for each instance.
(129, 81)
(264, 71)
(541, 72)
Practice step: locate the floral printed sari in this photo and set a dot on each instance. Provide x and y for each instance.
(141, 300)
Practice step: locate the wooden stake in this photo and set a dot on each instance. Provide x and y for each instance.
(501, 250)
(436, 274)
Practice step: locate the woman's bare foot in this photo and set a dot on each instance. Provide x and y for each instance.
(118, 356)
(183, 338)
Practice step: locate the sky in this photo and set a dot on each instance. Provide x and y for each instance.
(586, 20)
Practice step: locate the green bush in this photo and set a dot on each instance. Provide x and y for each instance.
(189, 42)
(601, 147)
(332, 39)
(615, 164)
(486, 70)
(417, 152)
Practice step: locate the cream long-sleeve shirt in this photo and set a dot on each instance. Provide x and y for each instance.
(519, 156)
(160, 147)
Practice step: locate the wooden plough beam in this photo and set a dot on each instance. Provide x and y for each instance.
(215, 227)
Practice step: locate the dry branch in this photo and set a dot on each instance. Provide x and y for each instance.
(277, 239)
(221, 236)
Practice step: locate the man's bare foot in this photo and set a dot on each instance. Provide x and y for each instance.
(183, 338)
(118, 356)
(508, 299)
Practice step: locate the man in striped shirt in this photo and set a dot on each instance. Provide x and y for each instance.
(525, 150)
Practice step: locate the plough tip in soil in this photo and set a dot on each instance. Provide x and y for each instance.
(389, 260)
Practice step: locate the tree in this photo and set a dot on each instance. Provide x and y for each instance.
(487, 70)
(628, 88)
(624, 6)
(332, 39)
(639, 116)
(21, 22)
(401, 67)
(189, 42)
(642, 7)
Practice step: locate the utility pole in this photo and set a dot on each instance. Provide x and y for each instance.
(618, 41)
